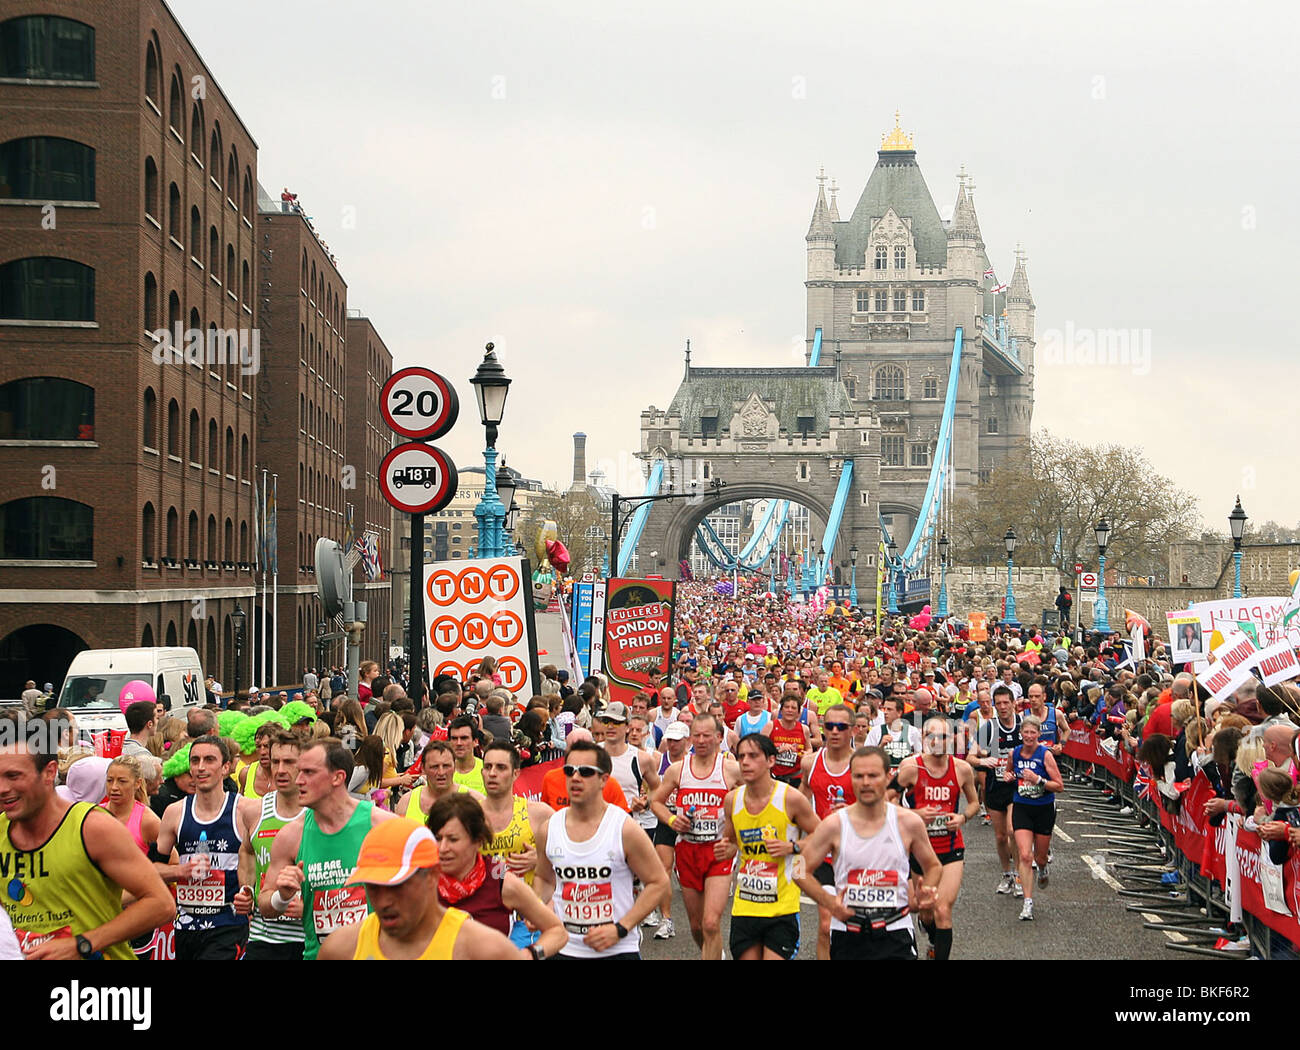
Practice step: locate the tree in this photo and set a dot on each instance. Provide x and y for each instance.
(1060, 488)
(580, 523)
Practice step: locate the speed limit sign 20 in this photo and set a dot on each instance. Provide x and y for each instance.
(419, 404)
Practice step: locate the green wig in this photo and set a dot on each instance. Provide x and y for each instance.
(227, 720)
(179, 763)
(296, 711)
(245, 734)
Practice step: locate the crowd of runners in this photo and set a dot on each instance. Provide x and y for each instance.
(795, 755)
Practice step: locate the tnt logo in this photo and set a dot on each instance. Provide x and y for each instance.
(472, 585)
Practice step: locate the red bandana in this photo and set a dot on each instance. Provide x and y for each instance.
(454, 890)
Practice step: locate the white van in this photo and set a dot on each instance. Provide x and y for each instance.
(97, 676)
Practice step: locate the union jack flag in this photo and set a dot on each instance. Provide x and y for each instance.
(1143, 784)
(371, 565)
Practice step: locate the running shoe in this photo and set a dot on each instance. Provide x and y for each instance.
(1008, 881)
(1042, 874)
(651, 920)
(985, 820)
(665, 930)
(1027, 911)
(1018, 890)
(1224, 944)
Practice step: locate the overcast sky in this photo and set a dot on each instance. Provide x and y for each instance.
(590, 184)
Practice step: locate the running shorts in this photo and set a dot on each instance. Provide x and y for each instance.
(998, 795)
(778, 933)
(887, 944)
(1038, 819)
(695, 863)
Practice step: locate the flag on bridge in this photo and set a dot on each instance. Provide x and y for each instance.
(998, 288)
(989, 272)
(371, 562)
(349, 532)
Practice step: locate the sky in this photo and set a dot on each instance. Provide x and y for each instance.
(588, 185)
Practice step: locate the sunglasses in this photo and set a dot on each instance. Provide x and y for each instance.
(586, 772)
(830, 726)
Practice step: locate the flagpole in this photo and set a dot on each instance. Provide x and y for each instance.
(275, 587)
(266, 547)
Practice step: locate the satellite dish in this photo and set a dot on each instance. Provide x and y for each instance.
(333, 581)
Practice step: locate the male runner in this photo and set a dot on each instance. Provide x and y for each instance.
(67, 863)
(398, 866)
(823, 695)
(469, 768)
(872, 841)
(676, 744)
(998, 794)
(280, 939)
(588, 856)
(255, 778)
(935, 779)
(513, 821)
(826, 782)
(637, 773)
(315, 856)
(438, 761)
(206, 830)
(897, 736)
(703, 855)
(790, 736)
(762, 817)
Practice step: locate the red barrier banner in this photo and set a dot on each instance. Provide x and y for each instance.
(529, 781)
(1084, 745)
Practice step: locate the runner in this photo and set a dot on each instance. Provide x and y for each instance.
(438, 761)
(255, 779)
(665, 838)
(791, 739)
(999, 793)
(588, 855)
(935, 780)
(205, 831)
(872, 841)
(482, 885)
(68, 862)
(754, 720)
(469, 768)
(895, 734)
(397, 863)
(827, 783)
(512, 821)
(704, 857)
(124, 786)
(762, 817)
(315, 855)
(277, 939)
(1033, 769)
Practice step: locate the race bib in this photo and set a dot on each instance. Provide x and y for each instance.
(331, 909)
(871, 889)
(1030, 790)
(706, 824)
(786, 756)
(938, 826)
(756, 882)
(1002, 763)
(27, 940)
(586, 904)
(205, 893)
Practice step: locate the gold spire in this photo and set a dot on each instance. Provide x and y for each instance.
(896, 139)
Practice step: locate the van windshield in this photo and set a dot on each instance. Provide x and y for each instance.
(83, 691)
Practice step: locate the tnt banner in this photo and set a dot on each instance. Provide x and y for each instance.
(638, 634)
(479, 608)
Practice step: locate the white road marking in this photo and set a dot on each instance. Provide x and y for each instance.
(1062, 835)
(1098, 872)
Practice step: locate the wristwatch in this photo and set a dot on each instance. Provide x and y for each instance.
(622, 930)
(796, 849)
(84, 948)
(537, 952)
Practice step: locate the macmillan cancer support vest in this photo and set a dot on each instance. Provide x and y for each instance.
(327, 862)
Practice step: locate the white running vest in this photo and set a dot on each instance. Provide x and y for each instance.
(593, 884)
(872, 873)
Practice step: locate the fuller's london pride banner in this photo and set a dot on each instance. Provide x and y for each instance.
(638, 634)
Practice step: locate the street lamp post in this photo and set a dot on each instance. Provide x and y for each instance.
(1237, 523)
(944, 544)
(1100, 619)
(853, 575)
(1009, 615)
(237, 619)
(491, 385)
(891, 552)
(633, 504)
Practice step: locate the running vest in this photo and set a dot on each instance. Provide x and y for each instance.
(671, 801)
(472, 779)
(701, 799)
(1008, 740)
(593, 884)
(250, 782)
(900, 743)
(829, 790)
(208, 903)
(627, 771)
(764, 883)
(485, 905)
(1048, 732)
(280, 930)
(327, 862)
(515, 837)
(413, 810)
(1031, 794)
(56, 889)
(133, 825)
(872, 873)
(746, 725)
(790, 746)
(943, 791)
(439, 948)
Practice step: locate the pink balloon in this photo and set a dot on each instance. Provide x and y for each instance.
(133, 693)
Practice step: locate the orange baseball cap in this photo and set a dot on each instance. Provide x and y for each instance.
(394, 851)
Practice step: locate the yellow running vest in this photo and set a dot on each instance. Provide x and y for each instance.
(251, 782)
(56, 888)
(516, 837)
(763, 882)
(473, 779)
(439, 948)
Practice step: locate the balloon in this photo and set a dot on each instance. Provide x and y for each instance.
(133, 693)
(1295, 575)
(558, 554)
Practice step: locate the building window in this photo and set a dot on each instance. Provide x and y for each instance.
(174, 211)
(864, 437)
(192, 538)
(900, 302)
(194, 437)
(708, 426)
(993, 424)
(891, 450)
(152, 75)
(918, 300)
(214, 155)
(46, 528)
(47, 409)
(851, 385)
(196, 233)
(707, 467)
(173, 429)
(863, 301)
(866, 498)
(889, 383)
(196, 130)
(151, 189)
(900, 258)
(148, 532)
(43, 288)
(930, 388)
(214, 463)
(882, 257)
(47, 168)
(803, 470)
(920, 455)
(46, 47)
(882, 302)
(150, 418)
(176, 108)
